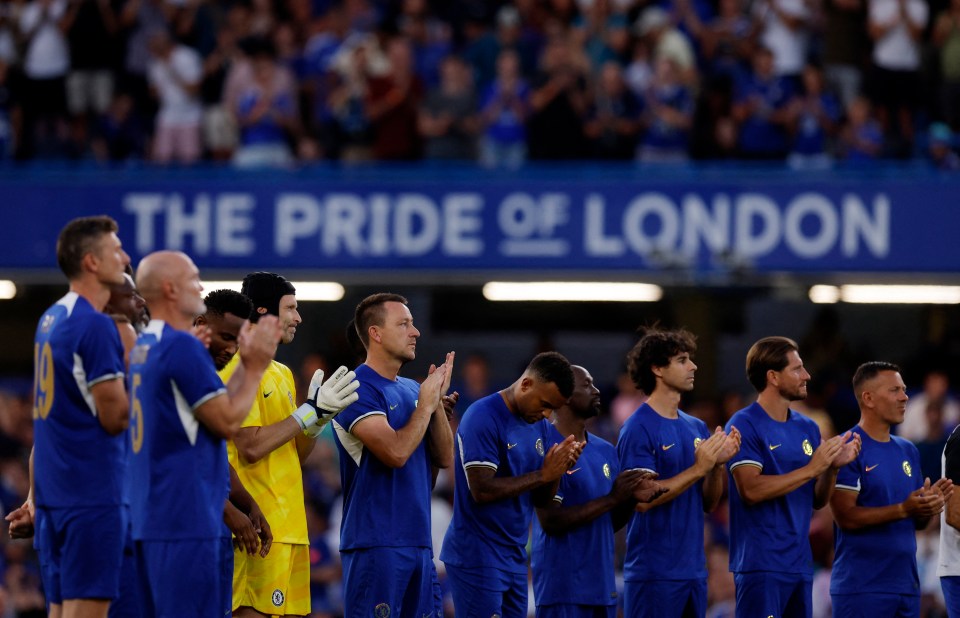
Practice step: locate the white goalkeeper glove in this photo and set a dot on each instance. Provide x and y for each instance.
(326, 400)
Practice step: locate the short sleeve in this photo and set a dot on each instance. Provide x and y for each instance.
(848, 477)
(370, 402)
(193, 373)
(479, 439)
(636, 449)
(751, 444)
(101, 350)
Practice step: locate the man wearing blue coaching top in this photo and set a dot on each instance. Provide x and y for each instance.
(181, 412)
(503, 456)
(573, 545)
(879, 504)
(782, 472)
(80, 413)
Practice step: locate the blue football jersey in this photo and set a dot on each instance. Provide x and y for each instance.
(576, 567)
(179, 469)
(774, 534)
(382, 506)
(666, 542)
(75, 462)
(878, 558)
(493, 534)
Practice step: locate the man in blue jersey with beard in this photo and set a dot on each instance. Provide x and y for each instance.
(879, 504)
(665, 571)
(782, 472)
(80, 413)
(503, 457)
(390, 441)
(181, 412)
(573, 545)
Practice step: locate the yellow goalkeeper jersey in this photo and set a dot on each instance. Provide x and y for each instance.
(276, 481)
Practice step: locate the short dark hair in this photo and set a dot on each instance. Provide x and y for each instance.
(655, 349)
(768, 354)
(553, 367)
(353, 340)
(78, 238)
(869, 371)
(370, 313)
(222, 302)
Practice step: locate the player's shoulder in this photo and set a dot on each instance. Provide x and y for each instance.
(280, 369)
(905, 445)
(641, 418)
(692, 420)
(600, 444)
(486, 411)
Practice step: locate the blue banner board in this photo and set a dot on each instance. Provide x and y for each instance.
(423, 219)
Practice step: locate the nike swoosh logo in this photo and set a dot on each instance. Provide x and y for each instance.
(572, 471)
(265, 395)
(869, 468)
(393, 407)
(775, 446)
(510, 446)
(667, 447)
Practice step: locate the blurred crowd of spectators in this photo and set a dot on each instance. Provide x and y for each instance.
(275, 82)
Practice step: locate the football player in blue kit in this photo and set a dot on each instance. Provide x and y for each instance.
(80, 415)
(390, 441)
(665, 569)
(782, 472)
(879, 504)
(573, 546)
(502, 457)
(181, 412)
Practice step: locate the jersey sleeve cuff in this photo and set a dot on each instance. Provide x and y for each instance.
(480, 464)
(746, 462)
(853, 488)
(208, 397)
(105, 378)
(363, 416)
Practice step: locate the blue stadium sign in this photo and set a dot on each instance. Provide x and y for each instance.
(616, 222)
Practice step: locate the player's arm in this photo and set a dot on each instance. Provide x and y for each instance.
(486, 487)
(255, 443)
(920, 505)
(21, 519)
(113, 407)
(705, 461)
(713, 482)
(393, 447)
(557, 519)
(223, 415)
(755, 487)
(243, 516)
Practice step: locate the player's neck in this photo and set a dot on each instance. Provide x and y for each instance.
(568, 423)
(665, 401)
(171, 315)
(877, 430)
(386, 366)
(510, 397)
(774, 405)
(95, 292)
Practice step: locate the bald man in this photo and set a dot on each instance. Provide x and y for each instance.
(181, 413)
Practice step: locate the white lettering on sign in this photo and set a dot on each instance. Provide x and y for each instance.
(748, 225)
